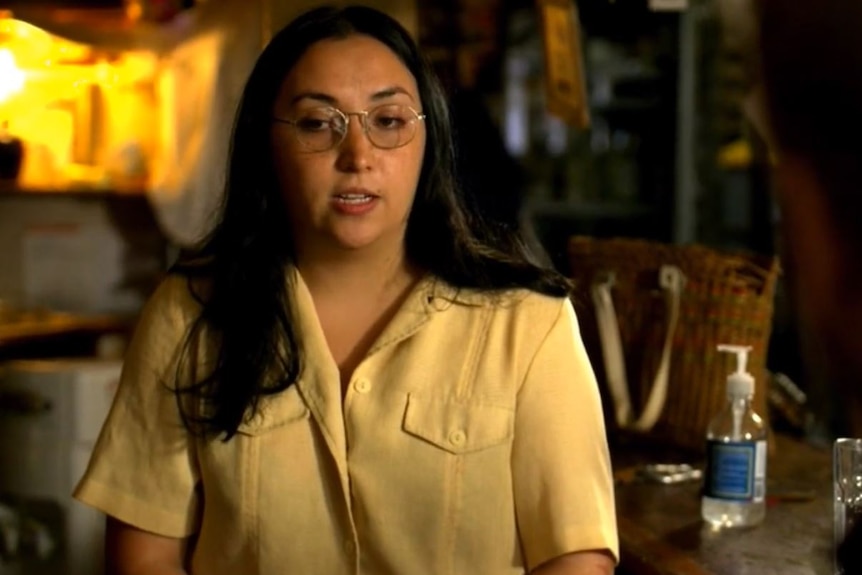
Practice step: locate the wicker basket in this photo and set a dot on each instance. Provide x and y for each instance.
(727, 298)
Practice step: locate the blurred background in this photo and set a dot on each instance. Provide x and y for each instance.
(114, 120)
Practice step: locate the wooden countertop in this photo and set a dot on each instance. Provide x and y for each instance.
(661, 531)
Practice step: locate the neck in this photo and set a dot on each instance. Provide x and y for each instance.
(361, 273)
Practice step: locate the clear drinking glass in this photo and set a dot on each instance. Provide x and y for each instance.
(847, 486)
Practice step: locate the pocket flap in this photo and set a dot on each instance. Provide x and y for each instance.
(458, 426)
(275, 411)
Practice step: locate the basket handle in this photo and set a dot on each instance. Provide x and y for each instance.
(671, 281)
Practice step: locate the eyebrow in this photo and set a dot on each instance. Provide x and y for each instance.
(332, 101)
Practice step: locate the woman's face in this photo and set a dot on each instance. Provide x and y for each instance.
(355, 195)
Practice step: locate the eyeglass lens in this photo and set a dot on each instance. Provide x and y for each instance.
(388, 126)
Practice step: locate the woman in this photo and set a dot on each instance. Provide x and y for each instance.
(348, 378)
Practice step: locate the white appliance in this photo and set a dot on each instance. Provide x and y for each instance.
(51, 412)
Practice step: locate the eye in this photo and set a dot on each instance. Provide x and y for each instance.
(312, 124)
(390, 118)
(315, 121)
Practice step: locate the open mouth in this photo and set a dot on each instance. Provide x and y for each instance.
(354, 198)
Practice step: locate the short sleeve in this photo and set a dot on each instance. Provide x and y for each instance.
(563, 484)
(143, 469)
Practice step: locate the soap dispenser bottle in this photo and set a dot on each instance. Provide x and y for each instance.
(734, 488)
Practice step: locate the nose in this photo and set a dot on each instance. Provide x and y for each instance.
(355, 151)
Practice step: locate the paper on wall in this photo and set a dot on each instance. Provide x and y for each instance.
(564, 69)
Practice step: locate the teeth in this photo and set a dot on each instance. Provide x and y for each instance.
(354, 198)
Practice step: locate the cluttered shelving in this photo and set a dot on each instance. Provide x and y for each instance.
(615, 176)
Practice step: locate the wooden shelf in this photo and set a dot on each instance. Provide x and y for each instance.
(55, 325)
(10, 189)
(588, 210)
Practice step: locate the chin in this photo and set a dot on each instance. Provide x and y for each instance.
(355, 241)
(360, 235)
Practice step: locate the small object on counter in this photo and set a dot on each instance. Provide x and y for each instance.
(11, 154)
(663, 473)
(734, 492)
(669, 473)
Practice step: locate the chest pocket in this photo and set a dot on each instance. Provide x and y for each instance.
(458, 426)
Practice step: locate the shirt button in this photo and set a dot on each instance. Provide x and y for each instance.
(349, 547)
(457, 438)
(362, 385)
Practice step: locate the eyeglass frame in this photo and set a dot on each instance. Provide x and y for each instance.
(363, 115)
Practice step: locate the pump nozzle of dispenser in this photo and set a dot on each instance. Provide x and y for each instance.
(740, 384)
(741, 352)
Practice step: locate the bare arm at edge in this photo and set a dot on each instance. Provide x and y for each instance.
(131, 551)
(578, 563)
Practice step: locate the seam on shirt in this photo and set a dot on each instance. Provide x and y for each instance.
(400, 336)
(466, 383)
(251, 496)
(453, 509)
(560, 314)
(464, 388)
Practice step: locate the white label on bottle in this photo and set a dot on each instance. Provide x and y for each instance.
(736, 470)
(759, 471)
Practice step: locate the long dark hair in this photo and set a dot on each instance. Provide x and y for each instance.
(238, 274)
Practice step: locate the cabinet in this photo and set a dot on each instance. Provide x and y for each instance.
(660, 159)
(616, 178)
(722, 189)
(91, 254)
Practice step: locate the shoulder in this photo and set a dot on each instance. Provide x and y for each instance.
(520, 308)
(173, 306)
(161, 339)
(536, 312)
(178, 294)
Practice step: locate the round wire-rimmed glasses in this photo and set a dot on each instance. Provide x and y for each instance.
(323, 128)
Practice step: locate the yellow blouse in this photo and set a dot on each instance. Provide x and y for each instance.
(470, 441)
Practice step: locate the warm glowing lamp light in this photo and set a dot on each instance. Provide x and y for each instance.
(11, 77)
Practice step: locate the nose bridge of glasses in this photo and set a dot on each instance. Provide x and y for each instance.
(341, 127)
(361, 117)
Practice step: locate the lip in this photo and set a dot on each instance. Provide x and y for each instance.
(355, 191)
(363, 202)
